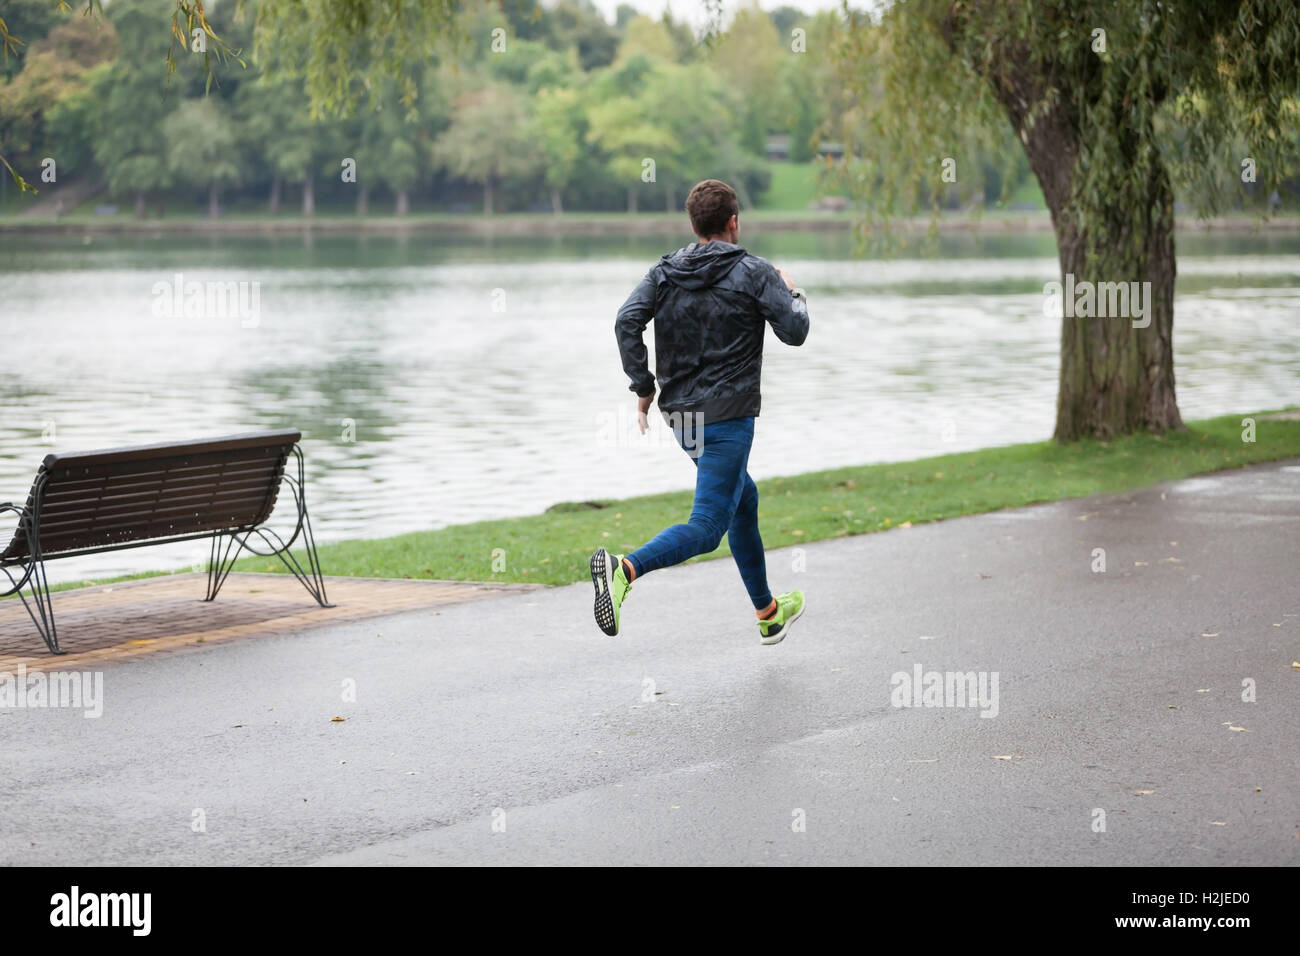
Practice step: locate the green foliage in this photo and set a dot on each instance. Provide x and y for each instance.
(649, 37)
(1187, 90)
(1204, 86)
(339, 49)
(202, 144)
(561, 129)
(22, 23)
(54, 70)
(904, 105)
(490, 138)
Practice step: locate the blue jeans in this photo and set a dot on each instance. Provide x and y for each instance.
(726, 502)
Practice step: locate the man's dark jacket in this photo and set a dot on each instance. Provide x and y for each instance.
(709, 302)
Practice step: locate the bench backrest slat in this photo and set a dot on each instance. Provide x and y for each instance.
(122, 496)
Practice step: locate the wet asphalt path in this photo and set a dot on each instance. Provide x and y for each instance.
(511, 731)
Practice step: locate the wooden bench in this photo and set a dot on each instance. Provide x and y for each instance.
(219, 488)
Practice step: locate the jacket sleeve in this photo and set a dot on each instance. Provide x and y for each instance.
(633, 317)
(787, 315)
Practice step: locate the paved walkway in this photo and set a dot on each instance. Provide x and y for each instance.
(509, 730)
(115, 622)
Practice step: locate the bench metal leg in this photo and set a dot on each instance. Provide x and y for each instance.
(311, 577)
(220, 561)
(227, 547)
(223, 558)
(42, 614)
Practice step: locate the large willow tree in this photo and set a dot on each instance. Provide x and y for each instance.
(1115, 103)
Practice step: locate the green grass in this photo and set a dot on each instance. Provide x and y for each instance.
(793, 188)
(1028, 193)
(553, 548)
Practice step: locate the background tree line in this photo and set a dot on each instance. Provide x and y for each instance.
(535, 108)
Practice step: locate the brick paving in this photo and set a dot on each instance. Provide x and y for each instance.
(105, 624)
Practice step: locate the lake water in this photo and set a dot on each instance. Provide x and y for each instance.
(443, 381)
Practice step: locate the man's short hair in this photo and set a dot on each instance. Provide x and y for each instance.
(710, 204)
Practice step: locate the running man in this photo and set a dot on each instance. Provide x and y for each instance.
(709, 302)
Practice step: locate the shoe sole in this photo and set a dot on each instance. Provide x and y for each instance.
(602, 579)
(778, 638)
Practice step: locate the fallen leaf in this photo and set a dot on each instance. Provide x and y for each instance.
(1238, 729)
(906, 524)
(1144, 793)
(1296, 665)
(1003, 756)
(337, 720)
(927, 637)
(1209, 634)
(1141, 564)
(1218, 823)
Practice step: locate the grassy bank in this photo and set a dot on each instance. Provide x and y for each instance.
(553, 548)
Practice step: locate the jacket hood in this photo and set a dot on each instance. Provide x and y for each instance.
(701, 265)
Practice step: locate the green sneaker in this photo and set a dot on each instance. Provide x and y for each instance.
(788, 608)
(611, 585)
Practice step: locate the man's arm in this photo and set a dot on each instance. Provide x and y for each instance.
(786, 312)
(633, 317)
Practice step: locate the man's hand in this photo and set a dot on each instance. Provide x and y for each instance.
(785, 277)
(642, 407)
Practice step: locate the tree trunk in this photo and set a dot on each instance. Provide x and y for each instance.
(556, 206)
(672, 197)
(214, 201)
(308, 197)
(139, 205)
(1116, 377)
(403, 202)
(631, 199)
(487, 196)
(363, 200)
(273, 206)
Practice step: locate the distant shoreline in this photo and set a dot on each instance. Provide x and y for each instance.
(570, 224)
